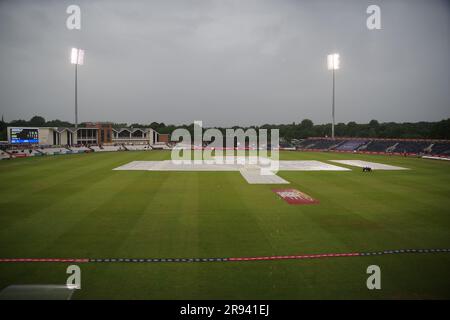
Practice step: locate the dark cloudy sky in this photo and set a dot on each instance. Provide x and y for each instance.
(226, 62)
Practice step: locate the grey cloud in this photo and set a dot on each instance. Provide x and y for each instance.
(226, 62)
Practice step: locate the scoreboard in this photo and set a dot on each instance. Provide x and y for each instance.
(24, 135)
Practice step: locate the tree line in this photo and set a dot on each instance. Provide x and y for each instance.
(303, 129)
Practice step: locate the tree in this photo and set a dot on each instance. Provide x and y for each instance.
(307, 124)
(58, 123)
(373, 124)
(441, 129)
(304, 129)
(37, 121)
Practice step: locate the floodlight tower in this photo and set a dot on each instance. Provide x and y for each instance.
(76, 58)
(333, 64)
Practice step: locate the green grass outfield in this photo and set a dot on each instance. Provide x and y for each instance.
(76, 206)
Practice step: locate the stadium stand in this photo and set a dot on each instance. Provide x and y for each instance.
(301, 144)
(79, 149)
(96, 148)
(53, 150)
(138, 147)
(325, 144)
(395, 146)
(35, 152)
(318, 144)
(416, 147)
(160, 146)
(440, 149)
(106, 148)
(431, 148)
(4, 155)
(377, 145)
(283, 146)
(350, 145)
(18, 152)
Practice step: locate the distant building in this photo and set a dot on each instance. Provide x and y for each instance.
(101, 133)
(134, 135)
(163, 137)
(104, 131)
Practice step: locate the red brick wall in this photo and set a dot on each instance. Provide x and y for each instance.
(163, 137)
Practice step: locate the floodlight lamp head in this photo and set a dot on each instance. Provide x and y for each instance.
(77, 56)
(333, 61)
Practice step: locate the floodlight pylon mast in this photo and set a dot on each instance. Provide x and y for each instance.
(76, 95)
(333, 65)
(76, 58)
(333, 106)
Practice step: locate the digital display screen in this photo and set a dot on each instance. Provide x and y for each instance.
(24, 135)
